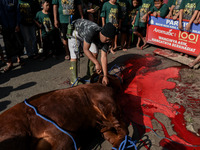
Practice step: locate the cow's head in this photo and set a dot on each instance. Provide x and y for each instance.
(114, 81)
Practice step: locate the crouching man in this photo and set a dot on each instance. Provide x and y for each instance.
(92, 37)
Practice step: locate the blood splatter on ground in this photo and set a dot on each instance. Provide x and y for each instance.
(143, 97)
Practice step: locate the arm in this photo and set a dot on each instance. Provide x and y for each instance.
(104, 62)
(86, 47)
(191, 20)
(176, 16)
(55, 14)
(103, 21)
(134, 19)
(196, 21)
(80, 11)
(146, 15)
(180, 26)
(170, 12)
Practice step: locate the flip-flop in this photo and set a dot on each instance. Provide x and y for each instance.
(67, 57)
(8, 68)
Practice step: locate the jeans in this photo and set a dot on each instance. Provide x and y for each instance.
(29, 36)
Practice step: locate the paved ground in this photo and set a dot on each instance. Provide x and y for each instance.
(38, 77)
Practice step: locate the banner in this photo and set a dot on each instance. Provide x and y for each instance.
(165, 33)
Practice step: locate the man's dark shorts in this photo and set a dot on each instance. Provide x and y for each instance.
(141, 30)
(63, 30)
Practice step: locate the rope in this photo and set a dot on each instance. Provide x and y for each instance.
(50, 121)
(126, 144)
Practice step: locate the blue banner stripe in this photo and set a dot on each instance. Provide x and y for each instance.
(170, 23)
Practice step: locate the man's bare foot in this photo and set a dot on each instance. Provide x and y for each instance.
(138, 46)
(142, 47)
(125, 49)
(115, 48)
(191, 64)
(112, 51)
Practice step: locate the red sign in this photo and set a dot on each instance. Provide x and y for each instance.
(164, 33)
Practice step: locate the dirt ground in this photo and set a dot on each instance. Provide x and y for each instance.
(38, 77)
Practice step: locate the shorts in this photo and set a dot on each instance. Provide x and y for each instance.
(125, 29)
(141, 30)
(63, 30)
(75, 42)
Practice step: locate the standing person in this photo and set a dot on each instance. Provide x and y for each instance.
(28, 10)
(160, 9)
(63, 11)
(9, 19)
(141, 22)
(111, 13)
(91, 35)
(174, 9)
(132, 17)
(125, 9)
(188, 10)
(44, 20)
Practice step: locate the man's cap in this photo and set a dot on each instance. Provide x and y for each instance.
(109, 30)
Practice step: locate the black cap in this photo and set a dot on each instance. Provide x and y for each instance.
(109, 30)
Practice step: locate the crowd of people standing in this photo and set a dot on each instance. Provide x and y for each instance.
(43, 26)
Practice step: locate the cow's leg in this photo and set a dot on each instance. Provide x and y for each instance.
(115, 133)
(58, 142)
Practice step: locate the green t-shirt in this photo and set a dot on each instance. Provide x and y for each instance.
(170, 3)
(177, 4)
(47, 22)
(124, 9)
(144, 9)
(164, 10)
(28, 10)
(66, 9)
(189, 6)
(132, 13)
(111, 13)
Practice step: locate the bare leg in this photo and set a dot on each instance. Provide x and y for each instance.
(192, 64)
(65, 43)
(138, 43)
(123, 41)
(145, 43)
(129, 41)
(112, 49)
(115, 42)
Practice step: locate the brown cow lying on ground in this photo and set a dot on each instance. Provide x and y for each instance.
(76, 110)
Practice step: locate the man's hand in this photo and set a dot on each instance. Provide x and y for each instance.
(98, 68)
(187, 27)
(56, 23)
(155, 14)
(144, 18)
(17, 29)
(105, 80)
(180, 26)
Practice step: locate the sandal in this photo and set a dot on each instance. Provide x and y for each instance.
(8, 68)
(67, 57)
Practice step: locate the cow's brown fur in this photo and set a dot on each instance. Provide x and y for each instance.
(76, 110)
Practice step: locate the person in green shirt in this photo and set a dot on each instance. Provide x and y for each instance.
(28, 10)
(141, 21)
(44, 20)
(63, 11)
(174, 9)
(132, 17)
(124, 9)
(160, 9)
(110, 13)
(188, 10)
